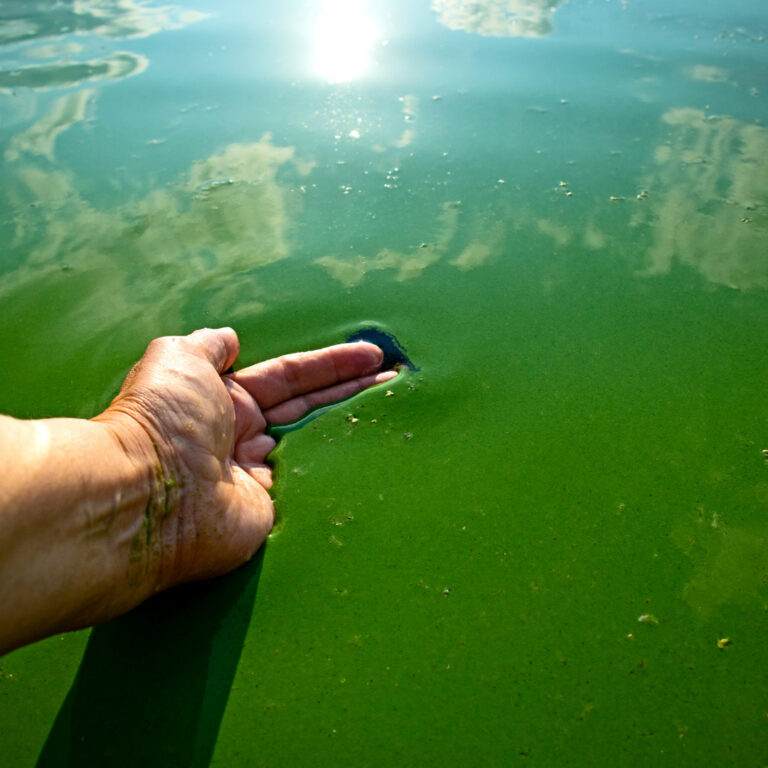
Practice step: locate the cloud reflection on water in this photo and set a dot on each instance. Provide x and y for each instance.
(498, 18)
(224, 216)
(407, 265)
(51, 50)
(67, 74)
(25, 20)
(711, 208)
(39, 138)
(708, 74)
(37, 20)
(350, 270)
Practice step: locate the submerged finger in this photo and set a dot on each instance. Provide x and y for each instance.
(296, 407)
(283, 378)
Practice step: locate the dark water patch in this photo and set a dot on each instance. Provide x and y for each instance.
(395, 355)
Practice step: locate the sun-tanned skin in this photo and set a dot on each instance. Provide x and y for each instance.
(168, 485)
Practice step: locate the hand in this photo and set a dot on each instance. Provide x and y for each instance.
(205, 433)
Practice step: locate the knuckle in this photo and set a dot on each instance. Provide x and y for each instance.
(160, 344)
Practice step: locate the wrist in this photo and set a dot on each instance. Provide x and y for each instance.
(71, 512)
(150, 492)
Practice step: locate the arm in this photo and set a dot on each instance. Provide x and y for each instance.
(72, 501)
(168, 485)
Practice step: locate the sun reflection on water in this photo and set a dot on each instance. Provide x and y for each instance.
(344, 35)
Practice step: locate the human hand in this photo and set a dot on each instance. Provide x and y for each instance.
(168, 485)
(205, 435)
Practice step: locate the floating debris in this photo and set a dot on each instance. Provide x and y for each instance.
(205, 189)
(389, 393)
(723, 641)
(648, 618)
(641, 195)
(352, 419)
(614, 198)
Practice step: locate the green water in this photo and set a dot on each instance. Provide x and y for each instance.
(562, 216)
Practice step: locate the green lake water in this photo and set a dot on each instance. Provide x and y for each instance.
(529, 553)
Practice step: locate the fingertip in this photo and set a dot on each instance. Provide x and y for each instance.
(231, 343)
(385, 376)
(220, 345)
(374, 355)
(228, 333)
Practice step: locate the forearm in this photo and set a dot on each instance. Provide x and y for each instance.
(74, 499)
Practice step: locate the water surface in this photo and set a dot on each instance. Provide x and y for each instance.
(529, 553)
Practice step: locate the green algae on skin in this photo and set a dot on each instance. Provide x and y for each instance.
(165, 483)
(160, 505)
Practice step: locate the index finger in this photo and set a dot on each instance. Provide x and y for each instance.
(277, 380)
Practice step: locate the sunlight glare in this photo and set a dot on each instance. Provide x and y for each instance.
(344, 35)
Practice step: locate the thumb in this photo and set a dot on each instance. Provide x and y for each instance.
(220, 346)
